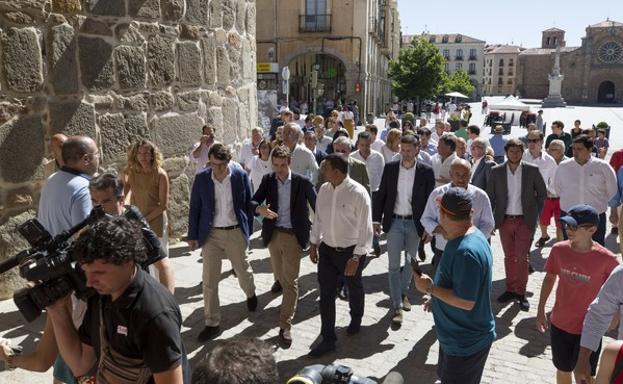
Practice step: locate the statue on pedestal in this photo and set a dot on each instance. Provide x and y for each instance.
(554, 97)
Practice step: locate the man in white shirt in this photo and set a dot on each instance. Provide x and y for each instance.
(303, 160)
(586, 180)
(482, 216)
(341, 237)
(446, 153)
(199, 151)
(398, 207)
(517, 191)
(376, 143)
(250, 149)
(547, 166)
(322, 140)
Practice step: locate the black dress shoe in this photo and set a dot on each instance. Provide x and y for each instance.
(322, 349)
(524, 305)
(276, 288)
(614, 231)
(252, 303)
(285, 337)
(421, 255)
(530, 269)
(208, 333)
(377, 251)
(354, 327)
(507, 296)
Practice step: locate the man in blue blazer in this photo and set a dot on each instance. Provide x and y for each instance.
(398, 205)
(220, 220)
(283, 199)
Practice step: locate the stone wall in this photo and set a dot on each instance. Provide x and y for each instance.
(119, 70)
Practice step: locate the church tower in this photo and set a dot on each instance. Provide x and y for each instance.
(552, 38)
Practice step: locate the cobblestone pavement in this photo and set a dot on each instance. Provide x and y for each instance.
(519, 355)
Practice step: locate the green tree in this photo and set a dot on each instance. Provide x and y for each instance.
(418, 72)
(459, 81)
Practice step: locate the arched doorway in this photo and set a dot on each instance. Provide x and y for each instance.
(331, 78)
(605, 94)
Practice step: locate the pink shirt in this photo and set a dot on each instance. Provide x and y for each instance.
(580, 276)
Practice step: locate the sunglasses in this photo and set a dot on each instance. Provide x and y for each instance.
(533, 140)
(571, 227)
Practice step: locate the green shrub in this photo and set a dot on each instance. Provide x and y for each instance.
(602, 124)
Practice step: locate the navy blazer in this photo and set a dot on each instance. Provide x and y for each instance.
(301, 193)
(201, 212)
(385, 198)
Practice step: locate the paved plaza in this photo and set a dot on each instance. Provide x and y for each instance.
(519, 355)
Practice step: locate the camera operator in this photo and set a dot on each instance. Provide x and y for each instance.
(131, 328)
(107, 190)
(238, 361)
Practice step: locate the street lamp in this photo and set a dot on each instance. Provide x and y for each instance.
(285, 75)
(314, 86)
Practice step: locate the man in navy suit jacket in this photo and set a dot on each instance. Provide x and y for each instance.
(220, 221)
(398, 205)
(283, 199)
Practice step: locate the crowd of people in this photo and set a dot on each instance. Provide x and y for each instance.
(316, 186)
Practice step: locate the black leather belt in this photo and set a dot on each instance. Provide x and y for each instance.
(231, 227)
(513, 216)
(340, 249)
(285, 230)
(402, 217)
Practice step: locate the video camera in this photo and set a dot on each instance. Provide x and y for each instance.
(337, 374)
(49, 265)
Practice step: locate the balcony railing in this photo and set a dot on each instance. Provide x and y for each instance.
(315, 23)
(459, 58)
(473, 58)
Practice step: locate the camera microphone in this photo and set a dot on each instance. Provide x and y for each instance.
(393, 378)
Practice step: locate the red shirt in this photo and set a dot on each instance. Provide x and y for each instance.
(616, 161)
(580, 276)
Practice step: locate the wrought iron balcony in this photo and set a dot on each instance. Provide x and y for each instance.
(315, 23)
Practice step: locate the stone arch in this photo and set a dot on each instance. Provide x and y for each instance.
(606, 92)
(605, 78)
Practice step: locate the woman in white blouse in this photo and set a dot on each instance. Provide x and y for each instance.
(392, 145)
(260, 164)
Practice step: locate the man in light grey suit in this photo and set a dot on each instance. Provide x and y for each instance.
(481, 166)
(517, 192)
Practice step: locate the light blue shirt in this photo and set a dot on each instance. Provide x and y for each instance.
(497, 144)
(65, 201)
(431, 149)
(482, 217)
(284, 191)
(616, 199)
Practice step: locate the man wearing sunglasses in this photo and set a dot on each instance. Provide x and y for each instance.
(547, 166)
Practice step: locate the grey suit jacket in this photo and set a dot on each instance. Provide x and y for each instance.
(533, 193)
(482, 173)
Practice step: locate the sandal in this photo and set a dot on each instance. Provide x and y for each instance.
(541, 242)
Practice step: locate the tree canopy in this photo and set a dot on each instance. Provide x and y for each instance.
(459, 81)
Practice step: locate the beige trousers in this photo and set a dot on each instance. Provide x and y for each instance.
(229, 243)
(285, 257)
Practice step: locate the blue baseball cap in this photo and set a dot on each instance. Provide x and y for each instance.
(581, 214)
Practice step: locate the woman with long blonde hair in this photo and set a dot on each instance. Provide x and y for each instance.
(146, 184)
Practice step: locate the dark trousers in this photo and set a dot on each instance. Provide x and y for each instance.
(599, 236)
(331, 265)
(437, 257)
(462, 369)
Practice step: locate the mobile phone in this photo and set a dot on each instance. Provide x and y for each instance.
(416, 267)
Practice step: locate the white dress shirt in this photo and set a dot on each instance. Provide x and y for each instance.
(374, 165)
(323, 143)
(224, 215)
(387, 153)
(593, 183)
(404, 191)
(377, 145)
(513, 183)
(547, 166)
(304, 163)
(482, 217)
(442, 168)
(258, 168)
(246, 155)
(202, 160)
(343, 217)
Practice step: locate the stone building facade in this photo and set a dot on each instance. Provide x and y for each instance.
(117, 71)
(500, 78)
(349, 43)
(593, 72)
(462, 53)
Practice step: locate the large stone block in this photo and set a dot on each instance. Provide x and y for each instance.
(21, 148)
(197, 11)
(241, 11)
(107, 7)
(63, 68)
(9, 109)
(19, 198)
(229, 13)
(11, 242)
(251, 18)
(96, 63)
(129, 34)
(209, 60)
(161, 101)
(248, 61)
(118, 131)
(175, 166)
(22, 60)
(138, 102)
(19, 17)
(175, 134)
(146, 9)
(230, 120)
(216, 14)
(189, 64)
(223, 67)
(214, 117)
(96, 27)
(66, 6)
(189, 101)
(160, 60)
(178, 206)
(172, 10)
(72, 118)
(130, 63)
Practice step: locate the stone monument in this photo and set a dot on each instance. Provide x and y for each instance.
(117, 71)
(554, 97)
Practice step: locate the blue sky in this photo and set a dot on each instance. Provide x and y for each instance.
(507, 21)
